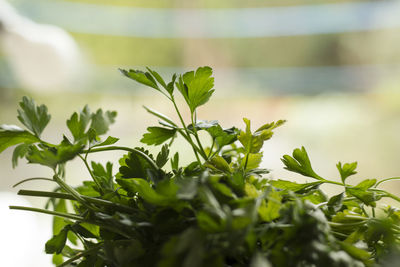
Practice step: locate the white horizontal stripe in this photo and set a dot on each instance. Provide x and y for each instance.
(214, 23)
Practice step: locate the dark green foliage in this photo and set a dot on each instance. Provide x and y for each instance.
(217, 211)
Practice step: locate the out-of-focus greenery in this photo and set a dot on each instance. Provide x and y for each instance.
(308, 50)
(212, 3)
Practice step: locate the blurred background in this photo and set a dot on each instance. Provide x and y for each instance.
(329, 67)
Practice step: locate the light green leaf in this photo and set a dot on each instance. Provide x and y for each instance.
(346, 170)
(157, 135)
(219, 163)
(367, 197)
(300, 163)
(293, 186)
(270, 211)
(141, 77)
(366, 184)
(11, 135)
(52, 156)
(253, 161)
(101, 121)
(109, 141)
(57, 242)
(35, 118)
(162, 157)
(196, 87)
(335, 202)
(144, 190)
(77, 124)
(157, 76)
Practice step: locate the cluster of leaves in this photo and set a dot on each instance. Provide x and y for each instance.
(217, 211)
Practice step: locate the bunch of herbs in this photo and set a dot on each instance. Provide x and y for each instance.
(220, 210)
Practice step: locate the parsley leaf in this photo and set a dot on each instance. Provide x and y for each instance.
(35, 118)
(11, 135)
(196, 87)
(300, 163)
(157, 135)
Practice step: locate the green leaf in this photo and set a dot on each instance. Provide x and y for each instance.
(57, 242)
(134, 166)
(171, 85)
(346, 170)
(250, 142)
(366, 184)
(300, 163)
(270, 211)
(335, 202)
(196, 87)
(11, 135)
(102, 120)
(219, 163)
(35, 118)
(103, 175)
(157, 135)
(52, 156)
(144, 190)
(141, 77)
(175, 162)
(357, 253)
(78, 124)
(208, 223)
(162, 157)
(367, 197)
(109, 141)
(253, 161)
(164, 118)
(19, 152)
(157, 76)
(295, 187)
(222, 137)
(253, 142)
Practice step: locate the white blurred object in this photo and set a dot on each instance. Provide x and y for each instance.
(23, 234)
(43, 57)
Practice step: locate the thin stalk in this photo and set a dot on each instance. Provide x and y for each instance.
(187, 131)
(95, 201)
(345, 224)
(385, 180)
(70, 216)
(386, 194)
(211, 148)
(33, 179)
(339, 234)
(196, 135)
(132, 150)
(68, 188)
(84, 159)
(80, 255)
(54, 213)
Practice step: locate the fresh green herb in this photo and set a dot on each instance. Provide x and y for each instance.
(217, 211)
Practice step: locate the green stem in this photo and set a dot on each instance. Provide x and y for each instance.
(211, 148)
(92, 200)
(386, 194)
(80, 255)
(385, 180)
(335, 224)
(196, 135)
(189, 139)
(33, 179)
(84, 159)
(78, 197)
(54, 213)
(132, 150)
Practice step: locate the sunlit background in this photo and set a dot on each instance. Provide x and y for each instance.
(329, 67)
